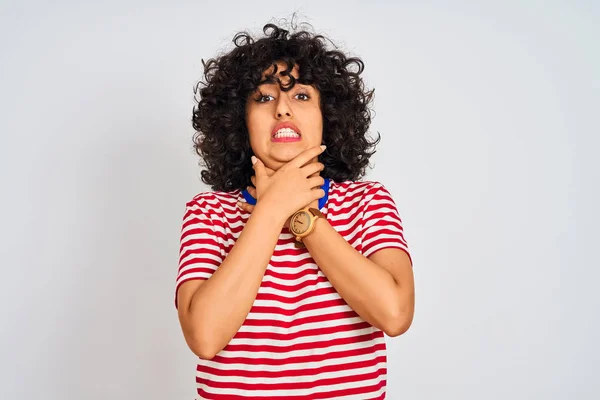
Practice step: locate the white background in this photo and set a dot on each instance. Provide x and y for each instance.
(489, 120)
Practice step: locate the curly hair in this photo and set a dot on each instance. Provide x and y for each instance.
(221, 139)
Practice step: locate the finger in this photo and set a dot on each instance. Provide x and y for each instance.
(253, 180)
(245, 207)
(316, 194)
(270, 171)
(258, 166)
(313, 169)
(252, 191)
(307, 155)
(317, 181)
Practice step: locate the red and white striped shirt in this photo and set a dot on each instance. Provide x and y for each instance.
(300, 340)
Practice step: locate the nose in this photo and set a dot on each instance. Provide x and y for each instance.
(283, 107)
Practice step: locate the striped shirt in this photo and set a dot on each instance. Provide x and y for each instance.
(300, 340)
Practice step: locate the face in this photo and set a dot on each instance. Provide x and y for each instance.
(283, 124)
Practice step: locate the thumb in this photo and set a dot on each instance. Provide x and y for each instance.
(258, 166)
(269, 171)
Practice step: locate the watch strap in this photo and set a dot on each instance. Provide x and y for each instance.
(316, 212)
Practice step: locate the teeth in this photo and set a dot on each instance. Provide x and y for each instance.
(286, 132)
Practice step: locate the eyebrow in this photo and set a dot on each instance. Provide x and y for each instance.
(278, 84)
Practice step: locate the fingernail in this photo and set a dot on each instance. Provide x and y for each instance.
(323, 147)
(254, 160)
(239, 204)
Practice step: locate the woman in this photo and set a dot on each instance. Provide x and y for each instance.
(292, 269)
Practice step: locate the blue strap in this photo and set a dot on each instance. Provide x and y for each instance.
(322, 201)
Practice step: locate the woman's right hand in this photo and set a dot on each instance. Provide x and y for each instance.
(292, 186)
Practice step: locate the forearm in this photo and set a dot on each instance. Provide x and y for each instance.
(221, 304)
(369, 289)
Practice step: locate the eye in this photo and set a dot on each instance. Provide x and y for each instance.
(263, 98)
(303, 96)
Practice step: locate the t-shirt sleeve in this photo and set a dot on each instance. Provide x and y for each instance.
(382, 225)
(200, 252)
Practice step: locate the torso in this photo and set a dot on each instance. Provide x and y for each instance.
(300, 340)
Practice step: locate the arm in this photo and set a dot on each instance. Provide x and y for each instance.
(212, 311)
(377, 283)
(379, 288)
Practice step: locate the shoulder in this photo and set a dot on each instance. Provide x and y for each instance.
(215, 202)
(358, 189)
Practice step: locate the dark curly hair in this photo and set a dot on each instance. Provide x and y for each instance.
(221, 139)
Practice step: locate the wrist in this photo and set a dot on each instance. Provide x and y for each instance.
(304, 222)
(267, 211)
(319, 222)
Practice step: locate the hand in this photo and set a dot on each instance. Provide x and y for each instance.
(294, 186)
(252, 190)
(249, 207)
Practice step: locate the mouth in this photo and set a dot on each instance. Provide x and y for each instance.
(285, 132)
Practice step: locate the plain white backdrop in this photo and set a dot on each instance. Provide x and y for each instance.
(488, 113)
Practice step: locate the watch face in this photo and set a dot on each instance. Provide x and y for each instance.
(300, 222)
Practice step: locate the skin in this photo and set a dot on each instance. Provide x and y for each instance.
(379, 288)
(269, 105)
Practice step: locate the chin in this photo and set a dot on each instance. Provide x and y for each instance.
(285, 155)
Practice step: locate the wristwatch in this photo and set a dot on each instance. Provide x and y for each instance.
(302, 223)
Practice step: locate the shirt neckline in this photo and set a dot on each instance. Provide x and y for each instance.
(322, 201)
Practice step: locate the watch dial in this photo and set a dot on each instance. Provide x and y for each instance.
(300, 222)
